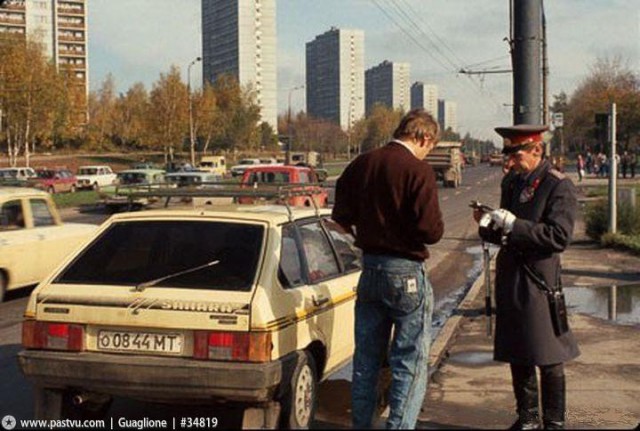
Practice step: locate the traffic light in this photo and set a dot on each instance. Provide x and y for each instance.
(601, 131)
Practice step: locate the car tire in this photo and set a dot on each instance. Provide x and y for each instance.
(299, 400)
(95, 187)
(3, 285)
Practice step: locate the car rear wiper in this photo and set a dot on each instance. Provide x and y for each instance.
(141, 286)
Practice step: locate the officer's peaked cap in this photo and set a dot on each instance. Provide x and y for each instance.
(517, 137)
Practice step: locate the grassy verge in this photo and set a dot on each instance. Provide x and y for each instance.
(628, 224)
(602, 191)
(623, 242)
(66, 200)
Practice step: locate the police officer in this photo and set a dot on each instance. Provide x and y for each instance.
(533, 226)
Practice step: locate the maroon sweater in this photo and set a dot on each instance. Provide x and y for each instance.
(392, 200)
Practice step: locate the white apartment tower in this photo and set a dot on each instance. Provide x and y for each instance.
(388, 84)
(425, 96)
(59, 25)
(335, 76)
(239, 39)
(448, 115)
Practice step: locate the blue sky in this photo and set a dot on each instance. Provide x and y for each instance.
(136, 40)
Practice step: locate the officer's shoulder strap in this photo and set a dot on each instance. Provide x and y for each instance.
(556, 173)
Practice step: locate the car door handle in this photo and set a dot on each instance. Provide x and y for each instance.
(319, 301)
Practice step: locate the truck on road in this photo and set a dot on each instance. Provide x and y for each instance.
(446, 162)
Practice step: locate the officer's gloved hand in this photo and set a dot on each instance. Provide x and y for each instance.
(485, 220)
(503, 219)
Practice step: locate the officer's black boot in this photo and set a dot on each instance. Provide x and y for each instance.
(553, 401)
(525, 388)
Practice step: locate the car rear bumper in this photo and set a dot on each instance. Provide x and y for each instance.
(155, 378)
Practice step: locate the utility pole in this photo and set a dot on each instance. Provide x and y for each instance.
(289, 144)
(525, 57)
(613, 172)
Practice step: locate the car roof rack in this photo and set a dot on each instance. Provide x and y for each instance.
(262, 191)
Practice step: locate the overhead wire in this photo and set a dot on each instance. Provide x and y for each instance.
(403, 15)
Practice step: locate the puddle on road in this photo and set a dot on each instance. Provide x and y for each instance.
(472, 358)
(618, 303)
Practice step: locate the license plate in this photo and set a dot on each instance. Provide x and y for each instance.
(129, 341)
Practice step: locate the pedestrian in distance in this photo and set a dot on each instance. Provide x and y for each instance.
(624, 163)
(580, 167)
(533, 226)
(387, 198)
(633, 161)
(589, 162)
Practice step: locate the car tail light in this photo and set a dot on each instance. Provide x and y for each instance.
(232, 346)
(52, 336)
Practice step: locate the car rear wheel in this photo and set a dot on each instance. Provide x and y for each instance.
(3, 285)
(299, 402)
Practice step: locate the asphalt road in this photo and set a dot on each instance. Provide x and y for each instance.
(450, 270)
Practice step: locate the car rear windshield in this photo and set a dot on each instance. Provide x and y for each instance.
(131, 253)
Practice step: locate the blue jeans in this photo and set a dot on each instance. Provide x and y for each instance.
(393, 293)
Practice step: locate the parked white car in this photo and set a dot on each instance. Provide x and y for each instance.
(94, 177)
(243, 164)
(21, 173)
(33, 238)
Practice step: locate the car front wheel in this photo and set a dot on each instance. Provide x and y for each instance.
(299, 403)
(96, 187)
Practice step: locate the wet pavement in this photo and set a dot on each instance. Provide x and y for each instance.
(471, 391)
(468, 390)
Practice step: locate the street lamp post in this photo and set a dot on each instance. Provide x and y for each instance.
(191, 131)
(291, 90)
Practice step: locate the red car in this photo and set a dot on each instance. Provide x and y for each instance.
(287, 175)
(54, 180)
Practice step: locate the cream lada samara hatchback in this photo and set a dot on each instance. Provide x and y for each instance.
(249, 304)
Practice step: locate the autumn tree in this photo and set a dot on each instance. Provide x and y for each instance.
(380, 125)
(102, 110)
(131, 128)
(239, 115)
(206, 116)
(29, 94)
(610, 80)
(168, 114)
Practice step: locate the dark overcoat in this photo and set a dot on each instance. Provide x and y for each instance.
(545, 205)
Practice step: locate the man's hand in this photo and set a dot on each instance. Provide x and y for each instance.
(503, 219)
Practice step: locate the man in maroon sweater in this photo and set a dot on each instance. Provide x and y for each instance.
(387, 198)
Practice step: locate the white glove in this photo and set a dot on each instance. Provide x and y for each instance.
(503, 219)
(485, 220)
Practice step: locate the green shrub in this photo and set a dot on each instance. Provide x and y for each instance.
(66, 200)
(624, 242)
(597, 219)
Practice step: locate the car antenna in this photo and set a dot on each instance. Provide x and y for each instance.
(141, 286)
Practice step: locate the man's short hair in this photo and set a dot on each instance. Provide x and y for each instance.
(416, 124)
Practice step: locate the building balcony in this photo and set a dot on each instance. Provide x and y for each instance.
(72, 66)
(63, 24)
(14, 6)
(13, 22)
(71, 53)
(66, 11)
(62, 37)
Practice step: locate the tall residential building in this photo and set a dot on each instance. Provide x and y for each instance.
(335, 76)
(59, 25)
(425, 96)
(239, 39)
(448, 115)
(388, 84)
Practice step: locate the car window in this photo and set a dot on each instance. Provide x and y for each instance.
(321, 261)
(41, 214)
(303, 177)
(290, 271)
(11, 216)
(349, 254)
(130, 253)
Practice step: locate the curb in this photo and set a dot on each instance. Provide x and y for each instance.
(450, 329)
